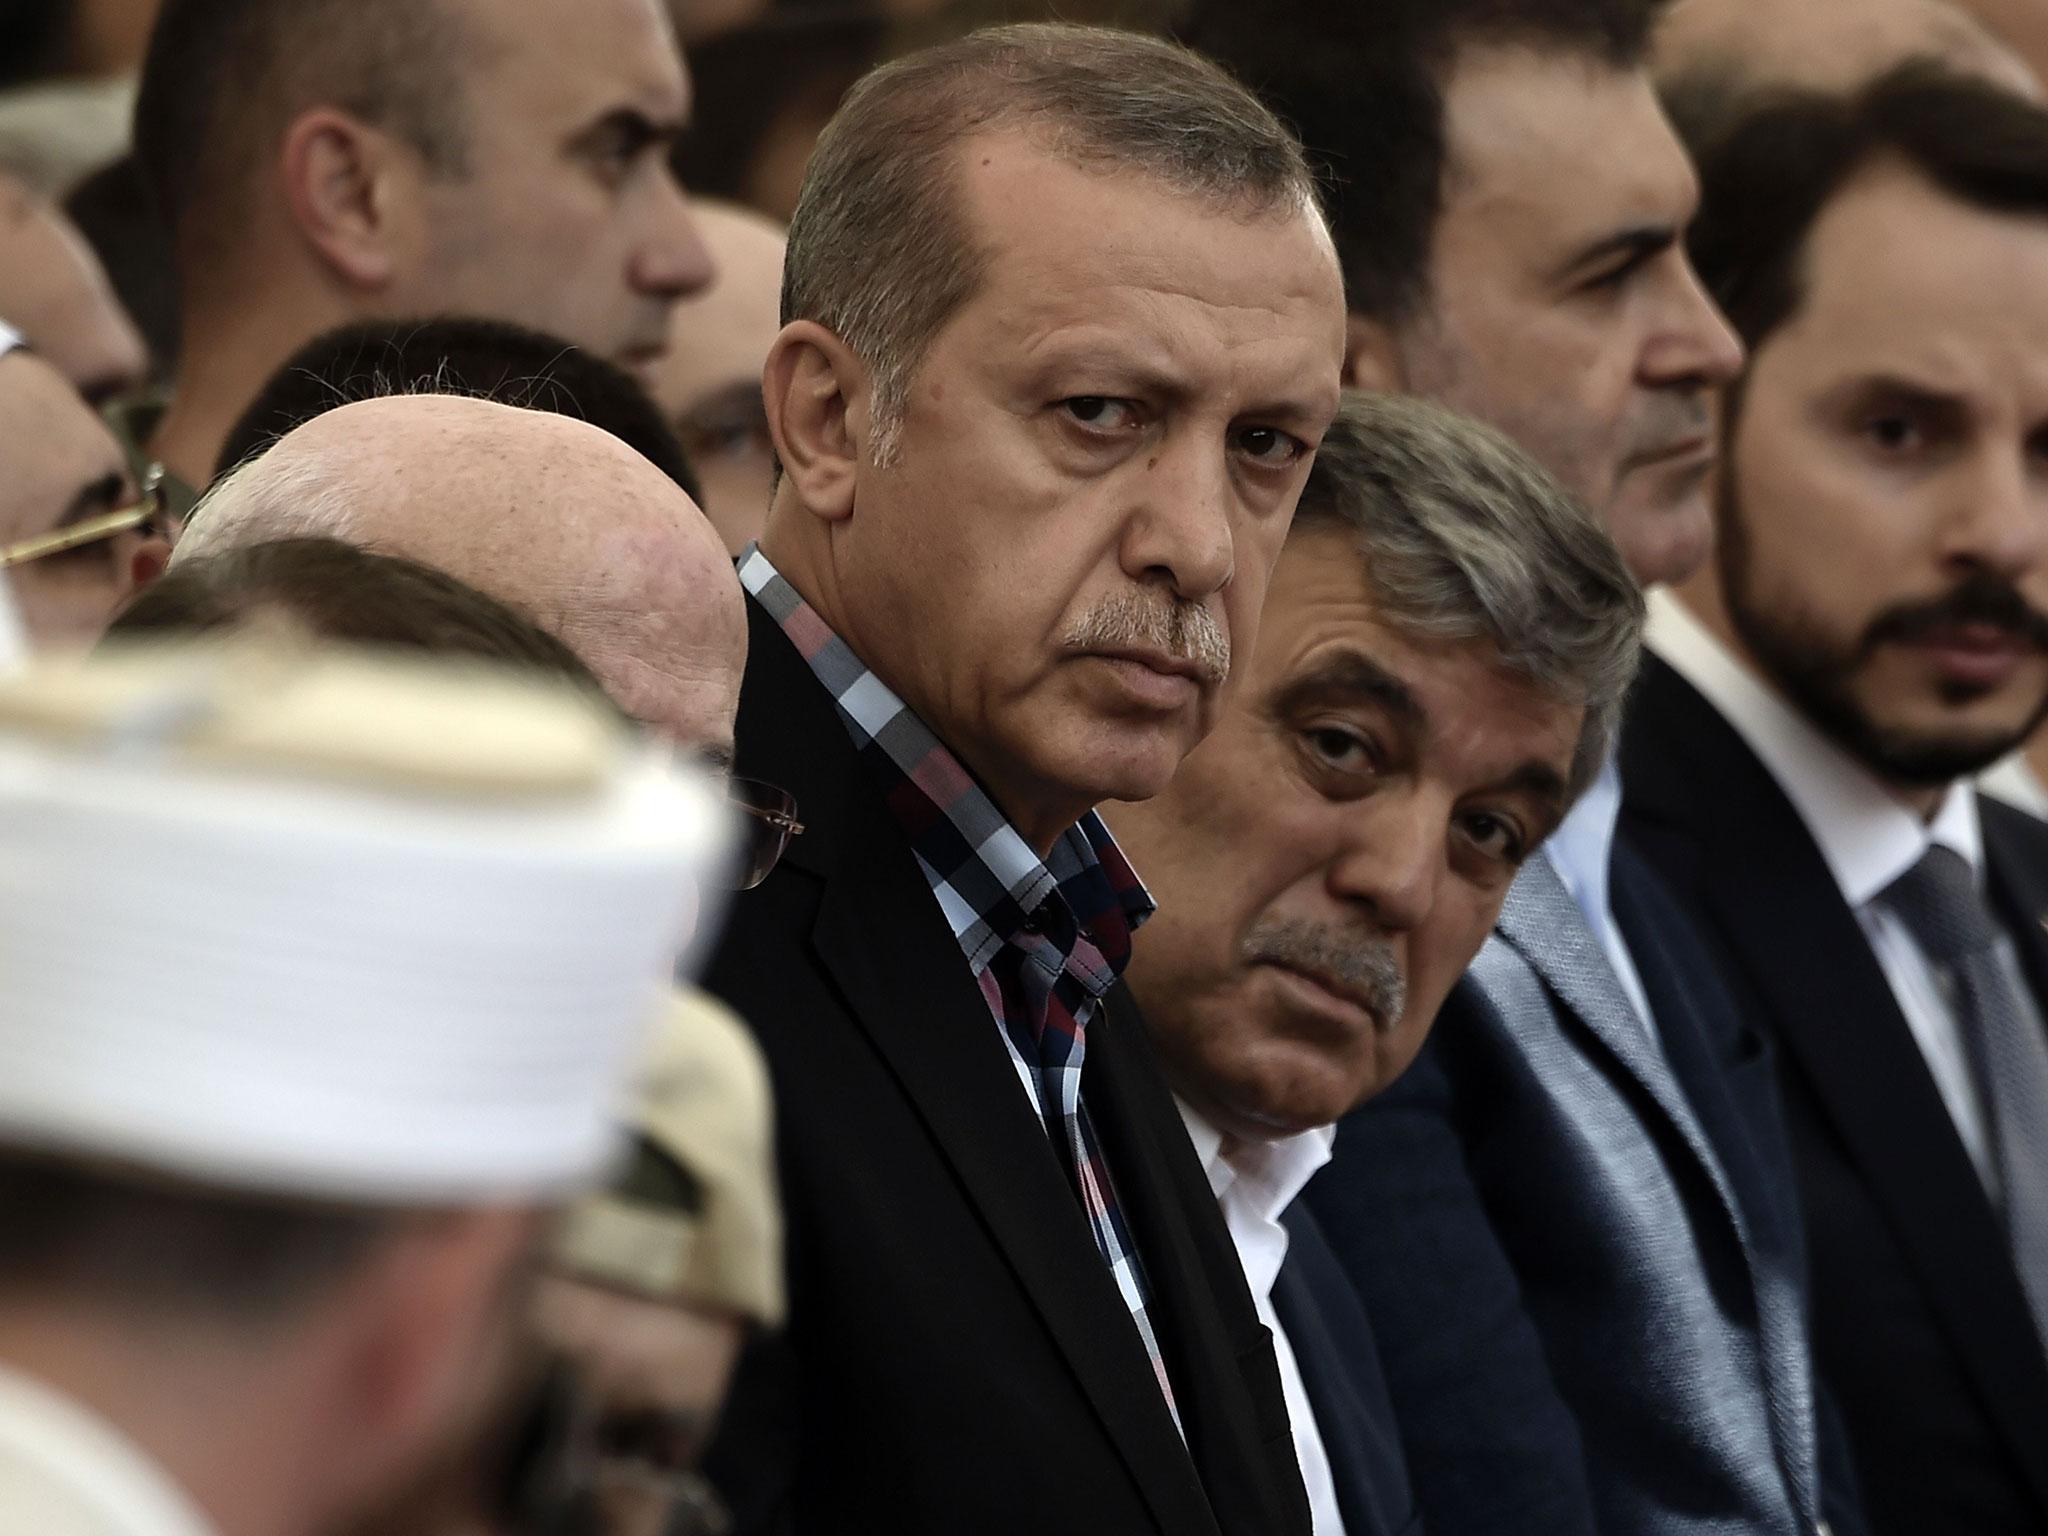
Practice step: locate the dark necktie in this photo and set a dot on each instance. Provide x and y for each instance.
(1939, 901)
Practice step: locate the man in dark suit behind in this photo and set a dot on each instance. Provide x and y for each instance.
(1441, 663)
(1064, 328)
(1799, 763)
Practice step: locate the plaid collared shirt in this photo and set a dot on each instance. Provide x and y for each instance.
(1043, 938)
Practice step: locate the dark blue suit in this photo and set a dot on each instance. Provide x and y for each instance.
(1339, 1361)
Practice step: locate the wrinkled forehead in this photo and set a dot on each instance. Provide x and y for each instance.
(1551, 150)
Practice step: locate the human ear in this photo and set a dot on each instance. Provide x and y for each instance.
(816, 392)
(1371, 359)
(342, 180)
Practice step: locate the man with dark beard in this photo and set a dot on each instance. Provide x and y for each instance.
(1873, 633)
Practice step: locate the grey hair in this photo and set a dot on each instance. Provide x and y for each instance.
(880, 253)
(268, 499)
(1464, 537)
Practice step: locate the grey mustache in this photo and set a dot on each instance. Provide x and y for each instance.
(1186, 631)
(1348, 962)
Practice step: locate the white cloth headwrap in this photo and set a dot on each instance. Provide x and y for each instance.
(375, 931)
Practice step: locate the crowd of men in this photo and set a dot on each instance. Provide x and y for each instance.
(1291, 784)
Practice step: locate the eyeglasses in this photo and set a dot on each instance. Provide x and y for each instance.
(770, 822)
(146, 513)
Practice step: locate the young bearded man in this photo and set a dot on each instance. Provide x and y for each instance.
(1874, 632)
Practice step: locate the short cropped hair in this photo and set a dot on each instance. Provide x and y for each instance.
(1363, 85)
(1771, 167)
(1464, 537)
(480, 359)
(880, 253)
(223, 78)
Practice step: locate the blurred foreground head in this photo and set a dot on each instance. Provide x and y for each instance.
(549, 514)
(1825, 44)
(271, 1185)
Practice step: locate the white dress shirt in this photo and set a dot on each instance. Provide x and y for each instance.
(1867, 836)
(66, 1472)
(2015, 782)
(1581, 850)
(1255, 1182)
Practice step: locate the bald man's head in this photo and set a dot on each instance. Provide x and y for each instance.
(549, 514)
(1827, 44)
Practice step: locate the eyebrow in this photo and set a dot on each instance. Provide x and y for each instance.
(1544, 783)
(638, 127)
(717, 756)
(737, 404)
(93, 498)
(1356, 675)
(1638, 243)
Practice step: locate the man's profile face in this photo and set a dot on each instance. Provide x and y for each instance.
(1100, 456)
(62, 466)
(1329, 861)
(1561, 308)
(567, 219)
(1885, 558)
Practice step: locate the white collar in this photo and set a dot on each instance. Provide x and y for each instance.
(1267, 1174)
(1867, 835)
(90, 1462)
(1581, 850)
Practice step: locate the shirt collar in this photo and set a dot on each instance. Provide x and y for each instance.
(1267, 1175)
(1868, 837)
(1581, 850)
(988, 881)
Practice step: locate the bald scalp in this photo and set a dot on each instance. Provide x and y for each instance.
(224, 78)
(553, 516)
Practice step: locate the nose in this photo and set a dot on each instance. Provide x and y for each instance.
(1390, 858)
(1693, 342)
(1182, 531)
(671, 260)
(1999, 520)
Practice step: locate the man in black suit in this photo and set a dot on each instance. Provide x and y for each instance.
(1873, 632)
(1064, 328)
(1441, 663)
(1567, 1219)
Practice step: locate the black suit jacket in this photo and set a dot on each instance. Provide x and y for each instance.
(1921, 1327)
(1339, 1361)
(958, 1358)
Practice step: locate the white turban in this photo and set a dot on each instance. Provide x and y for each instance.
(333, 925)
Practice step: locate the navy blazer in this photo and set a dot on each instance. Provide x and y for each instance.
(1578, 1251)
(1921, 1326)
(1339, 1360)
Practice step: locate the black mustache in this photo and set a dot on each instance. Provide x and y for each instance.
(1982, 599)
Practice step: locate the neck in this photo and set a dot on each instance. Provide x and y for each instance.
(1038, 811)
(2037, 755)
(230, 353)
(1706, 599)
(196, 1409)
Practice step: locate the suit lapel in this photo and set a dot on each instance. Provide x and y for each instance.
(1542, 923)
(882, 939)
(1778, 906)
(1226, 1379)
